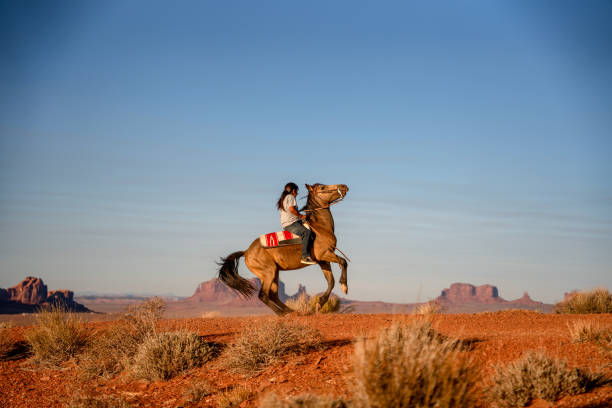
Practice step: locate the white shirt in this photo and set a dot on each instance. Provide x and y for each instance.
(286, 217)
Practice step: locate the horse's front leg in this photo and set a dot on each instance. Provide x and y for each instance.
(331, 256)
(327, 271)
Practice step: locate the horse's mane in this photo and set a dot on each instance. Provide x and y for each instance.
(309, 197)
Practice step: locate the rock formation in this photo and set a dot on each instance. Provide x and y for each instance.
(466, 293)
(31, 294)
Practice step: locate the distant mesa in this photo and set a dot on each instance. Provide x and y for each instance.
(31, 294)
(216, 292)
(466, 298)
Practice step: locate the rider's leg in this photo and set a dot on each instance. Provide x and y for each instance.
(298, 229)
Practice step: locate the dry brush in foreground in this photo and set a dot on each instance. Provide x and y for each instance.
(267, 342)
(57, 336)
(410, 365)
(536, 375)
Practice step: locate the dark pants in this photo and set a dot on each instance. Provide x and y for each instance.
(298, 229)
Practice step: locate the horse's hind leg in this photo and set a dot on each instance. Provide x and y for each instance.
(273, 295)
(327, 271)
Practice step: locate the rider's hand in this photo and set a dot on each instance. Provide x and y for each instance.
(302, 216)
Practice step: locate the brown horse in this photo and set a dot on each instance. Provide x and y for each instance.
(266, 262)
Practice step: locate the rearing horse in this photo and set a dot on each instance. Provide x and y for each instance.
(267, 262)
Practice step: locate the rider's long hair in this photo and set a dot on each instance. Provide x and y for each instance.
(289, 187)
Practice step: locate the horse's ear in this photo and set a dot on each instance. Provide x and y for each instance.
(308, 186)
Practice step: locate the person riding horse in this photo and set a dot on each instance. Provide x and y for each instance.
(291, 219)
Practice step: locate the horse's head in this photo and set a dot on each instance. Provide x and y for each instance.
(326, 194)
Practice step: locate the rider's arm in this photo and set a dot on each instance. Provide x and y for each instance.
(294, 211)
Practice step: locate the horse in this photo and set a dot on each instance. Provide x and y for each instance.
(266, 263)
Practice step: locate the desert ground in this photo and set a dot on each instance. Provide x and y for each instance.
(495, 338)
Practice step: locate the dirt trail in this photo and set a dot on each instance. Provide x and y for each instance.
(496, 337)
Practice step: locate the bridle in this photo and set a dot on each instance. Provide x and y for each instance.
(337, 200)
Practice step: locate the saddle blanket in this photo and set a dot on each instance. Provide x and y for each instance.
(279, 238)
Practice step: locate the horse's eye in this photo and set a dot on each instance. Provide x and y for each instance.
(323, 187)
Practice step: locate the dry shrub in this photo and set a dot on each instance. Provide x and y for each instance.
(165, 355)
(99, 401)
(598, 300)
(331, 306)
(233, 397)
(7, 343)
(536, 375)
(412, 366)
(302, 401)
(429, 308)
(57, 336)
(301, 305)
(267, 342)
(584, 330)
(197, 390)
(112, 350)
(211, 314)
(305, 305)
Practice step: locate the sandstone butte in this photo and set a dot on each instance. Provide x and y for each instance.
(31, 293)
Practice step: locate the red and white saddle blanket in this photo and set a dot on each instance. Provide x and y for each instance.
(279, 238)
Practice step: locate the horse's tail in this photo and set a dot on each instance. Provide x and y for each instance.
(228, 274)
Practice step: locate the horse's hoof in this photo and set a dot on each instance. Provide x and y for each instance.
(344, 288)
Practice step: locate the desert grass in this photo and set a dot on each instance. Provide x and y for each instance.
(598, 300)
(302, 401)
(582, 331)
(536, 375)
(57, 336)
(233, 397)
(411, 365)
(197, 390)
(99, 401)
(112, 350)
(429, 308)
(7, 343)
(267, 342)
(165, 355)
(305, 305)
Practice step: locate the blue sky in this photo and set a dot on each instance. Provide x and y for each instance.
(140, 141)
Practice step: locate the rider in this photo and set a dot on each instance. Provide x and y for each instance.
(291, 219)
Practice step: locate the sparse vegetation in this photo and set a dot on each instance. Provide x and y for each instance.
(536, 375)
(98, 401)
(57, 336)
(305, 305)
(7, 344)
(197, 390)
(429, 308)
(267, 342)
(585, 331)
(411, 365)
(302, 401)
(233, 397)
(112, 350)
(598, 300)
(165, 355)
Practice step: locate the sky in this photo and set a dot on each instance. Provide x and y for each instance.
(140, 141)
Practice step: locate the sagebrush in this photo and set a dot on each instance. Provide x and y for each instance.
(586, 330)
(307, 305)
(598, 300)
(536, 375)
(411, 365)
(165, 355)
(267, 342)
(302, 401)
(112, 350)
(96, 401)
(57, 336)
(196, 390)
(233, 397)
